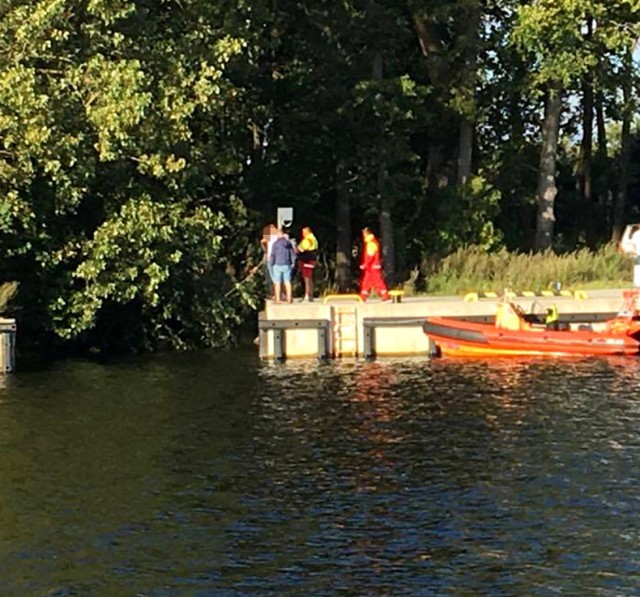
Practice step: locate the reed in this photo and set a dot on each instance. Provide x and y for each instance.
(7, 291)
(471, 269)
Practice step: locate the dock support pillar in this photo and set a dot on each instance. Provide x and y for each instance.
(278, 341)
(369, 350)
(323, 349)
(7, 345)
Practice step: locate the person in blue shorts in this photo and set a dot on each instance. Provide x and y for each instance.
(282, 260)
(269, 236)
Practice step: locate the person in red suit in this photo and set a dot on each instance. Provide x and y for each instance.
(371, 267)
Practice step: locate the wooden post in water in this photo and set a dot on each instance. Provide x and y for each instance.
(7, 345)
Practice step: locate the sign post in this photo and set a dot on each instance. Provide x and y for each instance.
(285, 217)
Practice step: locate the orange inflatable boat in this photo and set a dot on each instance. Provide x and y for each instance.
(513, 335)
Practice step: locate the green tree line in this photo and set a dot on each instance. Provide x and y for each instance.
(144, 144)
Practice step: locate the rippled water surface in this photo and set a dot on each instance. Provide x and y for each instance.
(215, 474)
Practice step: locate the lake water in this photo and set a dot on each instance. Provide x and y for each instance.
(214, 474)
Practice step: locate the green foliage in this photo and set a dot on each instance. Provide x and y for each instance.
(553, 32)
(465, 216)
(170, 260)
(472, 269)
(110, 120)
(136, 137)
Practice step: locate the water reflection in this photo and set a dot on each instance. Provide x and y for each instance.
(489, 465)
(215, 474)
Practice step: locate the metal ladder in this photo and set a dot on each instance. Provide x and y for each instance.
(345, 330)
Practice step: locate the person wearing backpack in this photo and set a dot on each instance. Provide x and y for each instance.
(282, 260)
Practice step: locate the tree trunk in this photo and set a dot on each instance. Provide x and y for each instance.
(601, 127)
(386, 222)
(584, 181)
(623, 182)
(434, 163)
(602, 166)
(625, 153)
(432, 47)
(465, 151)
(343, 231)
(468, 41)
(386, 235)
(547, 189)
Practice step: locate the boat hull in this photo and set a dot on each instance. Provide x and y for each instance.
(459, 338)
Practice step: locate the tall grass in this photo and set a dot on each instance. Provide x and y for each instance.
(7, 291)
(473, 270)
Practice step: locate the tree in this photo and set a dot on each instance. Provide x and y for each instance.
(549, 32)
(119, 121)
(628, 105)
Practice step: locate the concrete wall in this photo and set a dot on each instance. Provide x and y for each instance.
(409, 339)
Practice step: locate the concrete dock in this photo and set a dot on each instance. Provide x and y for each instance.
(343, 326)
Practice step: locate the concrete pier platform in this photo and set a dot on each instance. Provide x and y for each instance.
(346, 327)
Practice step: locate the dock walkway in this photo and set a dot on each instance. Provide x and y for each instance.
(347, 327)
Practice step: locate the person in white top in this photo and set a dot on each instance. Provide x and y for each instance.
(635, 242)
(269, 236)
(634, 246)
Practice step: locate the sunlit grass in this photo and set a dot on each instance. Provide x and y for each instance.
(473, 270)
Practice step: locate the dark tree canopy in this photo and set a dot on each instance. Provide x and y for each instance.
(144, 144)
